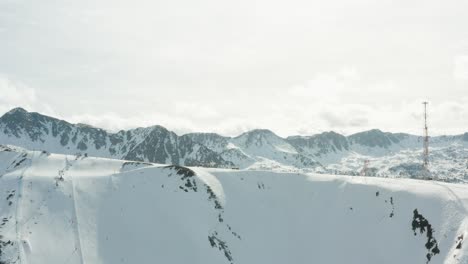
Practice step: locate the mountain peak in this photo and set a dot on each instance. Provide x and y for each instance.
(258, 136)
(16, 110)
(375, 138)
(160, 129)
(374, 131)
(265, 132)
(330, 134)
(262, 131)
(15, 115)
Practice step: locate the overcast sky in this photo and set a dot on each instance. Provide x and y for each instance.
(295, 67)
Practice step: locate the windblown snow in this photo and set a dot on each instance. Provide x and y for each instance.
(78, 209)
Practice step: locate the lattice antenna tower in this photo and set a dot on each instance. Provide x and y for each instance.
(425, 140)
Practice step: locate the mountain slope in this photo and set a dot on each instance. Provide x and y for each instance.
(77, 209)
(154, 144)
(387, 154)
(256, 149)
(266, 146)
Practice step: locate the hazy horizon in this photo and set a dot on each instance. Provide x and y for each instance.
(258, 128)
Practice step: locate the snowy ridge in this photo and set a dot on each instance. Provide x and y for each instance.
(154, 144)
(263, 145)
(78, 209)
(389, 154)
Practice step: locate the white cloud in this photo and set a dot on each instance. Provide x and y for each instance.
(293, 114)
(333, 120)
(16, 94)
(196, 110)
(114, 122)
(296, 68)
(326, 86)
(461, 68)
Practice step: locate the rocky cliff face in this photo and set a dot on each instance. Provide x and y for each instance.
(153, 144)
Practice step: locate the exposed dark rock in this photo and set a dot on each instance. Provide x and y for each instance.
(134, 165)
(180, 170)
(221, 245)
(187, 176)
(212, 197)
(421, 223)
(459, 242)
(3, 246)
(10, 195)
(392, 214)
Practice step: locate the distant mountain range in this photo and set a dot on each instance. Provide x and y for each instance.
(257, 149)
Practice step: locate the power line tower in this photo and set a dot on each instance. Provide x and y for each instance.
(426, 140)
(365, 168)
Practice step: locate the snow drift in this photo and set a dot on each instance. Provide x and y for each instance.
(78, 209)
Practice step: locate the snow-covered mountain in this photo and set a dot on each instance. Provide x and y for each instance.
(154, 144)
(256, 149)
(75, 209)
(389, 154)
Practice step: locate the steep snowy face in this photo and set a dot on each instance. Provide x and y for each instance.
(9, 158)
(321, 144)
(264, 145)
(154, 144)
(376, 138)
(78, 209)
(373, 142)
(224, 147)
(256, 149)
(212, 141)
(464, 137)
(263, 142)
(157, 144)
(35, 131)
(349, 153)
